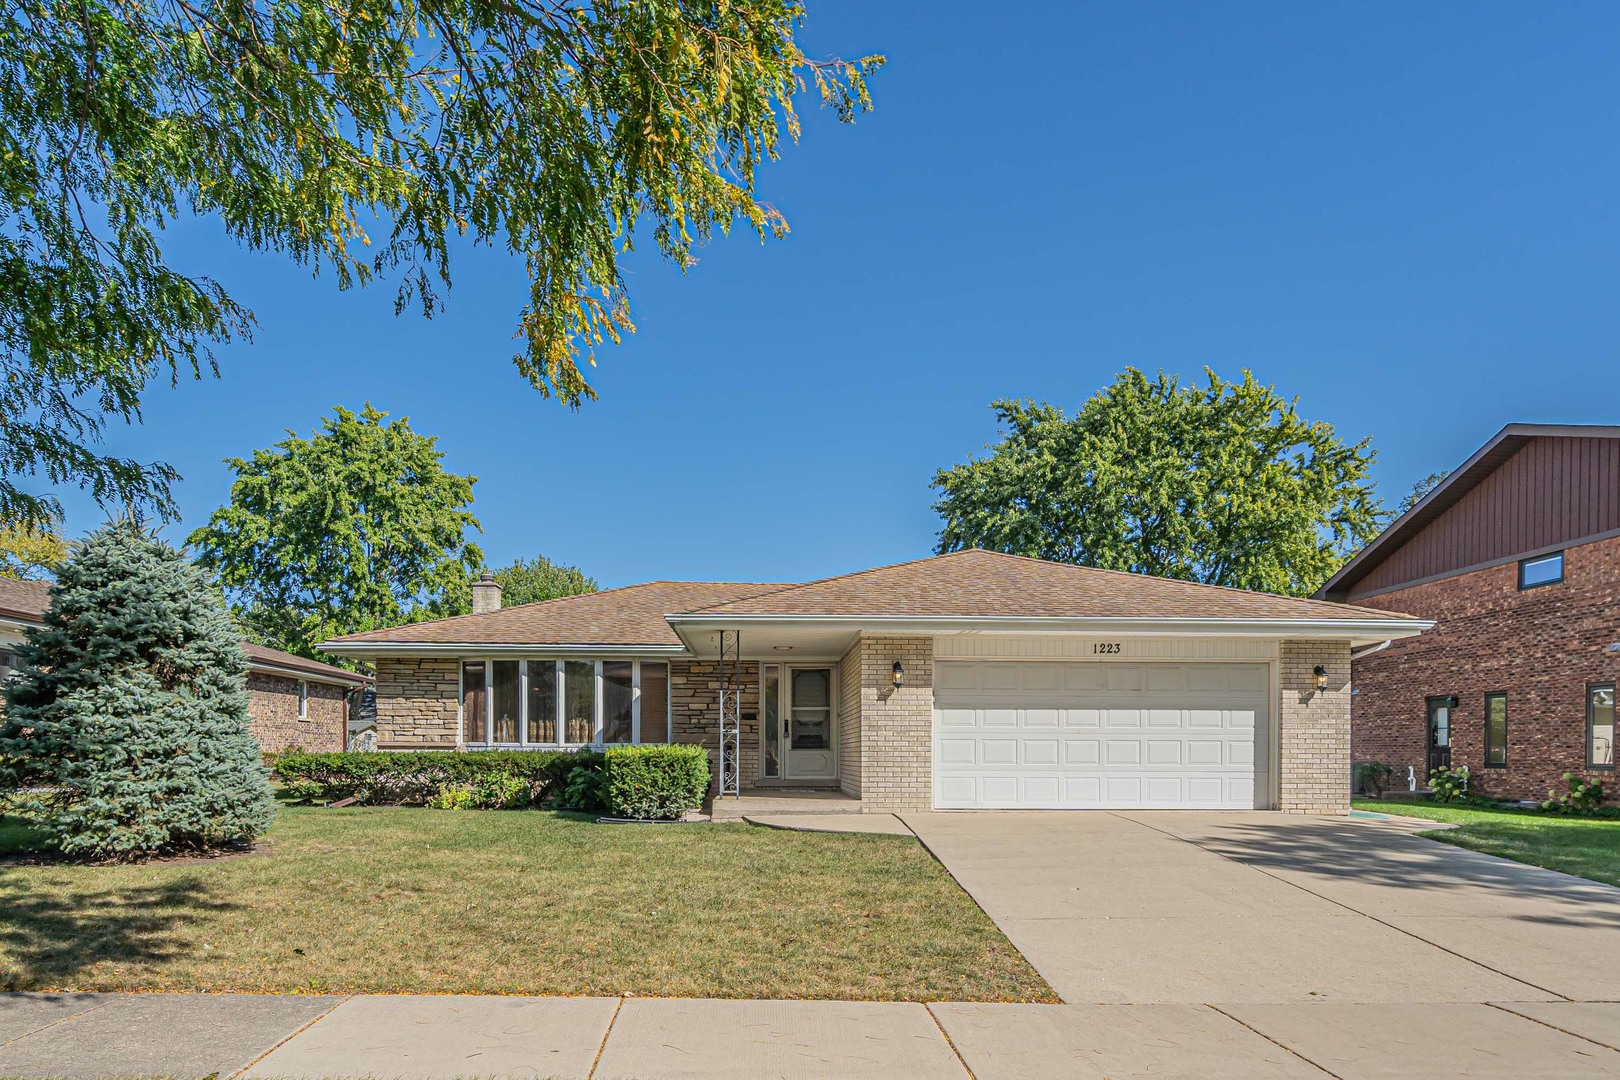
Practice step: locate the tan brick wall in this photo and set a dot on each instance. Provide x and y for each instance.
(273, 715)
(1314, 729)
(417, 703)
(896, 726)
(849, 722)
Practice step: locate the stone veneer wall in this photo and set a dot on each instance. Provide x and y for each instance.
(1314, 729)
(849, 721)
(694, 702)
(896, 726)
(273, 715)
(418, 707)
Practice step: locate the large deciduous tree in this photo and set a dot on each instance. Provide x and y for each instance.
(1224, 484)
(126, 728)
(30, 550)
(355, 137)
(526, 581)
(355, 528)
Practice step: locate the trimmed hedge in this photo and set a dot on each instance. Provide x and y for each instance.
(415, 778)
(656, 782)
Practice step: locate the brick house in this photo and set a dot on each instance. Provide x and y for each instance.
(1516, 558)
(968, 680)
(292, 701)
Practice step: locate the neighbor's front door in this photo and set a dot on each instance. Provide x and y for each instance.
(1439, 733)
(798, 723)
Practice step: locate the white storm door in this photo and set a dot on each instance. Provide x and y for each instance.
(808, 729)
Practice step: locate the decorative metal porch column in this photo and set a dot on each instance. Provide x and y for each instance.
(731, 685)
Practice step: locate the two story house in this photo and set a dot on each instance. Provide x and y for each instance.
(1516, 558)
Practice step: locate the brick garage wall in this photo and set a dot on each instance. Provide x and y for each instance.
(1314, 729)
(896, 726)
(417, 702)
(849, 722)
(694, 695)
(273, 714)
(1541, 646)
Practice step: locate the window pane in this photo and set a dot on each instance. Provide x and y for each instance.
(770, 711)
(616, 698)
(812, 709)
(1496, 729)
(1541, 570)
(503, 688)
(654, 701)
(472, 702)
(812, 688)
(1600, 733)
(542, 701)
(579, 701)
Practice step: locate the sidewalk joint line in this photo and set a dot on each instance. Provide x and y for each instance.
(342, 1000)
(110, 998)
(602, 1049)
(1555, 1027)
(1347, 907)
(950, 1042)
(1274, 1042)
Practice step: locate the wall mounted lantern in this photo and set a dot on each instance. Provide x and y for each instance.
(1321, 677)
(899, 675)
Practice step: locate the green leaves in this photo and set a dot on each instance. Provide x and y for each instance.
(357, 528)
(355, 137)
(1226, 485)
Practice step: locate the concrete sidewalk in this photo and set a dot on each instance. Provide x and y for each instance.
(416, 1038)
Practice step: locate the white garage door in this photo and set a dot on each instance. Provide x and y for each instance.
(1056, 735)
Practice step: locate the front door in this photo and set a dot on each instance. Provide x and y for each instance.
(797, 722)
(1439, 733)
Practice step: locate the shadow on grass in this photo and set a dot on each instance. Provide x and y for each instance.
(49, 936)
(1343, 851)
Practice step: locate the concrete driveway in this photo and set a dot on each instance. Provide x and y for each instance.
(1232, 909)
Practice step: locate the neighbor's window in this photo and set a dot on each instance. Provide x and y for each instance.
(1541, 570)
(8, 663)
(303, 700)
(557, 702)
(1495, 731)
(1600, 725)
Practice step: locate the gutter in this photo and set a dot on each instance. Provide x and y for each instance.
(995, 624)
(307, 676)
(365, 649)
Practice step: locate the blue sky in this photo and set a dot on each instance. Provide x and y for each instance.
(1403, 214)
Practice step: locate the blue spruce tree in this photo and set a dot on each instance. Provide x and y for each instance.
(126, 726)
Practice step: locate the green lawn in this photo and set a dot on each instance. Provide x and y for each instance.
(1585, 847)
(516, 902)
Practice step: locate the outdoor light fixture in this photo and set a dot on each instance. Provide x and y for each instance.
(1321, 677)
(899, 675)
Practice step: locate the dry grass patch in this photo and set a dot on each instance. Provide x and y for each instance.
(420, 901)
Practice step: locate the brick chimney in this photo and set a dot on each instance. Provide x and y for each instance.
(486, 595)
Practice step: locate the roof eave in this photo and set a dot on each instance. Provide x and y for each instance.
(288, 671)
(363, 650)
(1382, 629)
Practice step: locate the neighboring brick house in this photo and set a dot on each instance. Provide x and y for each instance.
(1516, 557)
(293, 702)
(968, 680)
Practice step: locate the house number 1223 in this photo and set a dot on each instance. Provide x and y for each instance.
(1104, 648)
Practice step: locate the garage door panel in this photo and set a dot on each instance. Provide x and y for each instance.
(1065, 734)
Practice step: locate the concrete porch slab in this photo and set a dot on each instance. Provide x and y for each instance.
(674, 1039)
(432, 1038)
(879, 824)
(1392, 1042)
(1168, 1042)
(171, 1035)
(1598, 1021)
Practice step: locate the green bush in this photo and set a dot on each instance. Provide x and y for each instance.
(1373, 777)
(1448, 784)
(656, 782)
(585, 790)
(1583, 797)
(414, 778)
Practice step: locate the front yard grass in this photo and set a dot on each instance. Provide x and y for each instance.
(515, 902)
(1585, 847)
